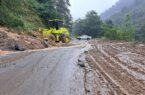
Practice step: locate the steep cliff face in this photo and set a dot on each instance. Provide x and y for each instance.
(118, 7)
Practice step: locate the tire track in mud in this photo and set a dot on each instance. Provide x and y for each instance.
(93, 82)
(121, 78)
(102, 85)
(135, 69)
(127, 71)
(137, 66)
(114, 85)
(138, 58)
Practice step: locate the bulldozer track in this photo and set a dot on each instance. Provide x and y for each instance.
(123, 76)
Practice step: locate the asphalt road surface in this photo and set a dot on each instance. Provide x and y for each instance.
(42, 72)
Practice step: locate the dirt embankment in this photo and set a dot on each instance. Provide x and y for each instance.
(118, 67)
(20, 41)
(12, 41)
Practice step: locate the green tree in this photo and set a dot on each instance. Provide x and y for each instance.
(62, 8)
(31, 14)
(126, 31)
(93, 24)
(55, 9)
(78, 27)
(47, 10)
(140, 34)
(90, 25)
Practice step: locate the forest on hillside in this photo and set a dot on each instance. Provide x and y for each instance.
(32, 14)
(116, 8)
(123, 21)
(92, 25)
(137, 14)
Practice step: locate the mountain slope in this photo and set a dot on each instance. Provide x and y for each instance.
(118, 7)
(137, 14)
(18, 13)
(32, 14)
(136, 11)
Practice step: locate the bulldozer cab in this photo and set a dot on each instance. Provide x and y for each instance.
(57, 24)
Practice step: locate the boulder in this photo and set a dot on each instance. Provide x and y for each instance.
(15, 45)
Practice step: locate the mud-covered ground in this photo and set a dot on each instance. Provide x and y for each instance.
(115, 68)
(105, 68)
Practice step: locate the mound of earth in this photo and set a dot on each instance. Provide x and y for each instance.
(11, 40)
(14, 41)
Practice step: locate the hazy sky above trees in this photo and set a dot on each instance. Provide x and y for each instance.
(80, 7)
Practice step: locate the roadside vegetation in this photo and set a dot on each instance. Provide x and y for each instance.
(125, 31)
(137, 13)
(27, 15)
(127, 24)
(93, 26)
(21, 19)
(32, 14)
(90, 25)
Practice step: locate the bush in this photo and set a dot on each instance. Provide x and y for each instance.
(126, 31)
(19, 14)
(117, 34)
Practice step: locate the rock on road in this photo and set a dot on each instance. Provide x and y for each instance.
(42, 72)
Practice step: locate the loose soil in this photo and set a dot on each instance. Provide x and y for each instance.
(118, 68)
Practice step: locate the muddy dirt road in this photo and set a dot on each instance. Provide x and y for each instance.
(119, 68)
(107, 68)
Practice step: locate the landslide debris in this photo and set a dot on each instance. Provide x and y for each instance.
(118, 67)
(11, 40)
(19, 42)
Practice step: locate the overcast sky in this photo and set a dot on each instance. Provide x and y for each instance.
(80, 7)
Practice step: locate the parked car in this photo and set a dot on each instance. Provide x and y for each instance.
(84, 37)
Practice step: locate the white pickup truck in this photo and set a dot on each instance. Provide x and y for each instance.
(84, 37)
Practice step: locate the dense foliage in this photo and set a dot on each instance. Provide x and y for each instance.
(125, 31)
(90, 25)
(18, 14)
(137, 13)
(31, 14)
(54, 9)
(135, 9)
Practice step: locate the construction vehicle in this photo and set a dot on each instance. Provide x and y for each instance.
(56, 32)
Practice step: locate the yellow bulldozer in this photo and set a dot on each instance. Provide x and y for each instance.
(56, 32)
